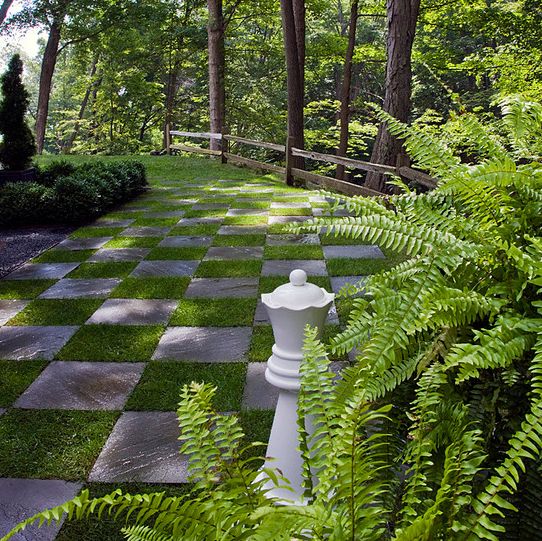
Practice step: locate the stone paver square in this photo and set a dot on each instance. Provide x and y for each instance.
(283, 267)
(42, 271)
(119, 254)
(73, 288)
(292, 240)
(10, 308)
(23, 498)
(143, 447)
(166, 214)
(28, 343)
(234, 252)
(222, 287)
(114, 223)
(82, 386)
(353, 252)
(247, 212)
(338, 282)
(185, 241)
(287, 219)
(258, 393)
(242, 230)
(165, 268)
(133, 312)
(146, 231)
(198, 221)
(204, 344)
(291, 205)
(92, 243)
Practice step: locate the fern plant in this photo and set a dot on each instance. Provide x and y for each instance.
(435, 428)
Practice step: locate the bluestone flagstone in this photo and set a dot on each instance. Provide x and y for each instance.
(290, 205)
(247, 212)
(82, 386)
(287, 219)
(143, 447)
(338, 282)
(283, 267)
(42, 271)
(353, 252)
(166, 214)
(119, 254)
(242, 229)
(222, 287)
(10, 308)
(91, 243)
(234, 252)
(74, 288)
(29, 343)
(165, 268)
(22, 498)
(290, 239)
(104, 222)
(146, 231)
(204, 344)
(258, 393)
(185, 241)
(134, 312)
(186, 222)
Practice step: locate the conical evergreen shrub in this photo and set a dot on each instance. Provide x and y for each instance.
(18, 145)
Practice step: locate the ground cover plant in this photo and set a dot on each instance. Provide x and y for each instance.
(447, 383)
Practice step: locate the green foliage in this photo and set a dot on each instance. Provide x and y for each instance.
(17, 147)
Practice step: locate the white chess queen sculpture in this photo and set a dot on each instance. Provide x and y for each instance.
(290, 307)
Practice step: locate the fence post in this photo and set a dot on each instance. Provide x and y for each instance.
(224, 146)
(288, 177)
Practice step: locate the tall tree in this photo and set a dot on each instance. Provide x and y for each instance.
(344, 115)
(293, 23)
(217, 62)
(402, 16)
(4, 8)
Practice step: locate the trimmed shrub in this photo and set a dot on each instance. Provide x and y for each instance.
(71, 194)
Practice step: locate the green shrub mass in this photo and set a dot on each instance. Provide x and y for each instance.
(435, 431)
(71, 194)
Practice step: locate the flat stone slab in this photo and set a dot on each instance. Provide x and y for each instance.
(166, 214)
(133, 312)
(146, 231)
(10, 308)
(143, 447)
(291, 205)
(287, 219)
(235, 252)
(119, 254)
(185, 241)
(242, 230)
(222, 287)
(338, 282)
(204, 344)
(113, 223)
(23, 498)
(283, 267)
(91, 243)
(42, 271)
(247, 212)
(29, 343)
(258, 393)
(289, 239)
(198, 221)
(353, 252)
(82, 386)
(74, 288)
(165, 268)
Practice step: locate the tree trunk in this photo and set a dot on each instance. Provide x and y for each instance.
(171, 90)
(217, 61)
(294, 70)
(402, 16)
(46, 78)
(71, 139)
(344, 117)
(4, 8)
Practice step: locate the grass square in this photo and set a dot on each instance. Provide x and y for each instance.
(214, 313)
(261, 343)
(291, 212)
(344, 307)
(23, 289)
(155, 222)
(167, 287)
(269, 283)
(245, 220)
(240, 204)
(358, 267)
(307, 251)
(56, 312)
(195, 230)
(112, 343)
(52, 444)
(63, 256)
(279, 229)
(161, 254)
(161, 383)
(133, 242)
(239, 240)
(256, 425)
(88, 232)
(232, 269)
(16, 377)
(211, 213)
(110, 269)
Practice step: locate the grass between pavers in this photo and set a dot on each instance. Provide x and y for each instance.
(211, 213)
(302, 251)
(280, 229)
(15, 377)
(270, 283)
(167, 287)
(161, 384)
(229, 268)
(245, 220)
(111, 269)
(291, 212)
(260, 344)
(244, 204)
(91, 232)
(52, 444)
(359, 267)
(155, 222)
(23, 289)
(56, 312)
(256, 425)
(63, 256)
(214, 313)
(133, 242)
(239, 240)
(112, 343)
(195, 230)
(344, 307)
(162, 253)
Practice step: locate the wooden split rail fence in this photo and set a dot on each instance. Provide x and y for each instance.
(290, 173)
